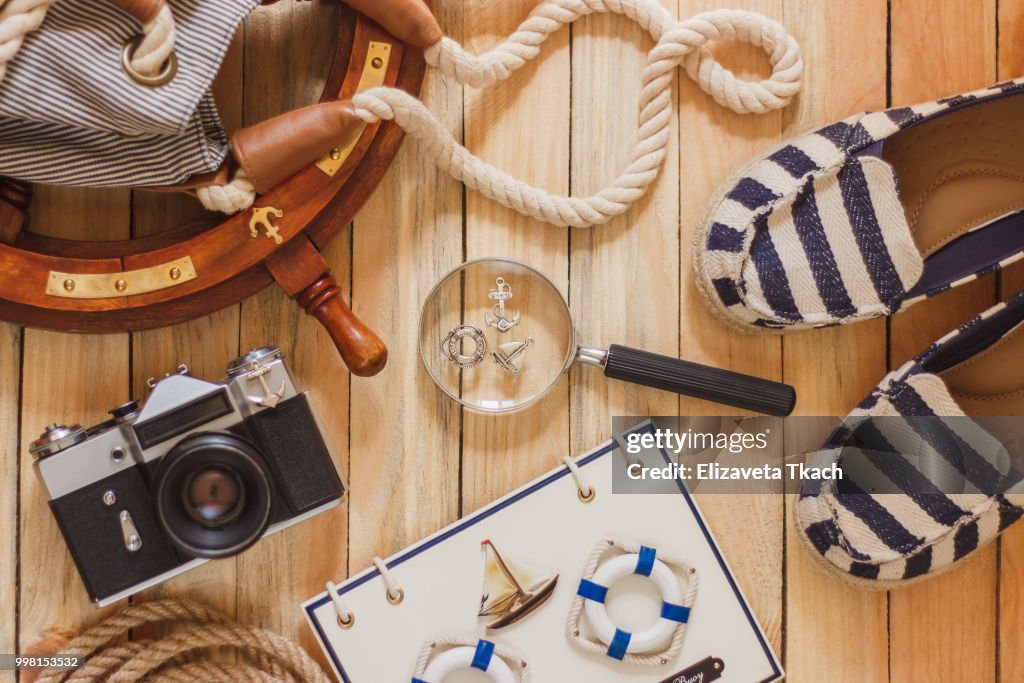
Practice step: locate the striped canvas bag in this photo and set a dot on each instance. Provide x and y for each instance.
(112, 92)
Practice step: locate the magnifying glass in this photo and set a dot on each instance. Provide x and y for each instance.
(496, 334)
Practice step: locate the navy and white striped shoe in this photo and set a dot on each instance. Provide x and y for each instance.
(924, 485)
(867, 216)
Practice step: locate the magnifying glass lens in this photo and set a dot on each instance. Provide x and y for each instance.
(496, 335)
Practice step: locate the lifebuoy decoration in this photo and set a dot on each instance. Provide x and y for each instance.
(199, 268)
(611, 561)
(446, 655)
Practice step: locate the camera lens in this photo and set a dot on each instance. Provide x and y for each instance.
(213, 495)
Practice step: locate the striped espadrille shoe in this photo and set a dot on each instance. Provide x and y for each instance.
(925, 485)
(867, 216)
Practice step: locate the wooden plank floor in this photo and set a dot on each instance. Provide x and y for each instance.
(415, 462)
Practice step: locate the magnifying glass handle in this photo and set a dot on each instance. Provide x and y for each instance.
(700, 381)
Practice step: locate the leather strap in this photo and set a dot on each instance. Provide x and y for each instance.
(276, 149)
(143, 10)
(408, 20)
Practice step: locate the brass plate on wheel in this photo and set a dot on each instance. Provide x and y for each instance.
(127, 283)
(375, 70)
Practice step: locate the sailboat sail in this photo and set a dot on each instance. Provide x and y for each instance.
(512, 588)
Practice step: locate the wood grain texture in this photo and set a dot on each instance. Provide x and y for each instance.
(500, 454)
(834, 368)
(638, 252)
(413, 459)
(205, 345)
(715, 143)
(404, 435)
(1011, 544)
(294, 73)
(938, 49)
(10, 388)
(66, 379)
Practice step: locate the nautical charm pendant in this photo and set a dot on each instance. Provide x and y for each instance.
(512, 589)
(499, 319)
(452, 346)
(507, 354)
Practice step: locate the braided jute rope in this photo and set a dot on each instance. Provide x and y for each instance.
(678, 43)
(195, 630)
(572, 623)
(512, 657)
(18, 18)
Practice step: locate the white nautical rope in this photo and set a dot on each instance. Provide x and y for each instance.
(238, 195)
(572, 624)
(18, 18)
(157, 44)
(678, 43)
(395, 591)
(585, 489)
(510, 655)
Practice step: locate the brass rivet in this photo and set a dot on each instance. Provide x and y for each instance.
(335, 153)
(377, 62)
(175, 273)
(121, 285)
(69, 285)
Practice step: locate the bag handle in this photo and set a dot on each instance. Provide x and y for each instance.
(149, 59)
(143, 10)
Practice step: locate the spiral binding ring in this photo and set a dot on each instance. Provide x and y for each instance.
(395, 594)
(584, 490)
(346, 618)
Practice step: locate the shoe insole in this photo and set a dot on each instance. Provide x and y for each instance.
(991, 382)
(960, 170)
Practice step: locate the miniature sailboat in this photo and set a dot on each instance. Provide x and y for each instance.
(512, 590)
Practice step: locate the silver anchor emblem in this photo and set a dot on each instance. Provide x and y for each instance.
(499, 320)
(269, 400)
(507, 353)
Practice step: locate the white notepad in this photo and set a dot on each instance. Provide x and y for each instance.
(545, 523)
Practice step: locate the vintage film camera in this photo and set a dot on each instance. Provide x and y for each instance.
(203, 471)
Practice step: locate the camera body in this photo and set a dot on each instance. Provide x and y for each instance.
(202, 471)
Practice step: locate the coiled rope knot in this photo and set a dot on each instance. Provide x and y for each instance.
(193, 633)
(18, 18)
(684, 43)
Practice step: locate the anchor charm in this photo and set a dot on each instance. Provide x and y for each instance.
(269, 400)
(507, 353)
(499, 320)
(261, 217)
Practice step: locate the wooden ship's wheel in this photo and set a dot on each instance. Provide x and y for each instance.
(196, 269)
